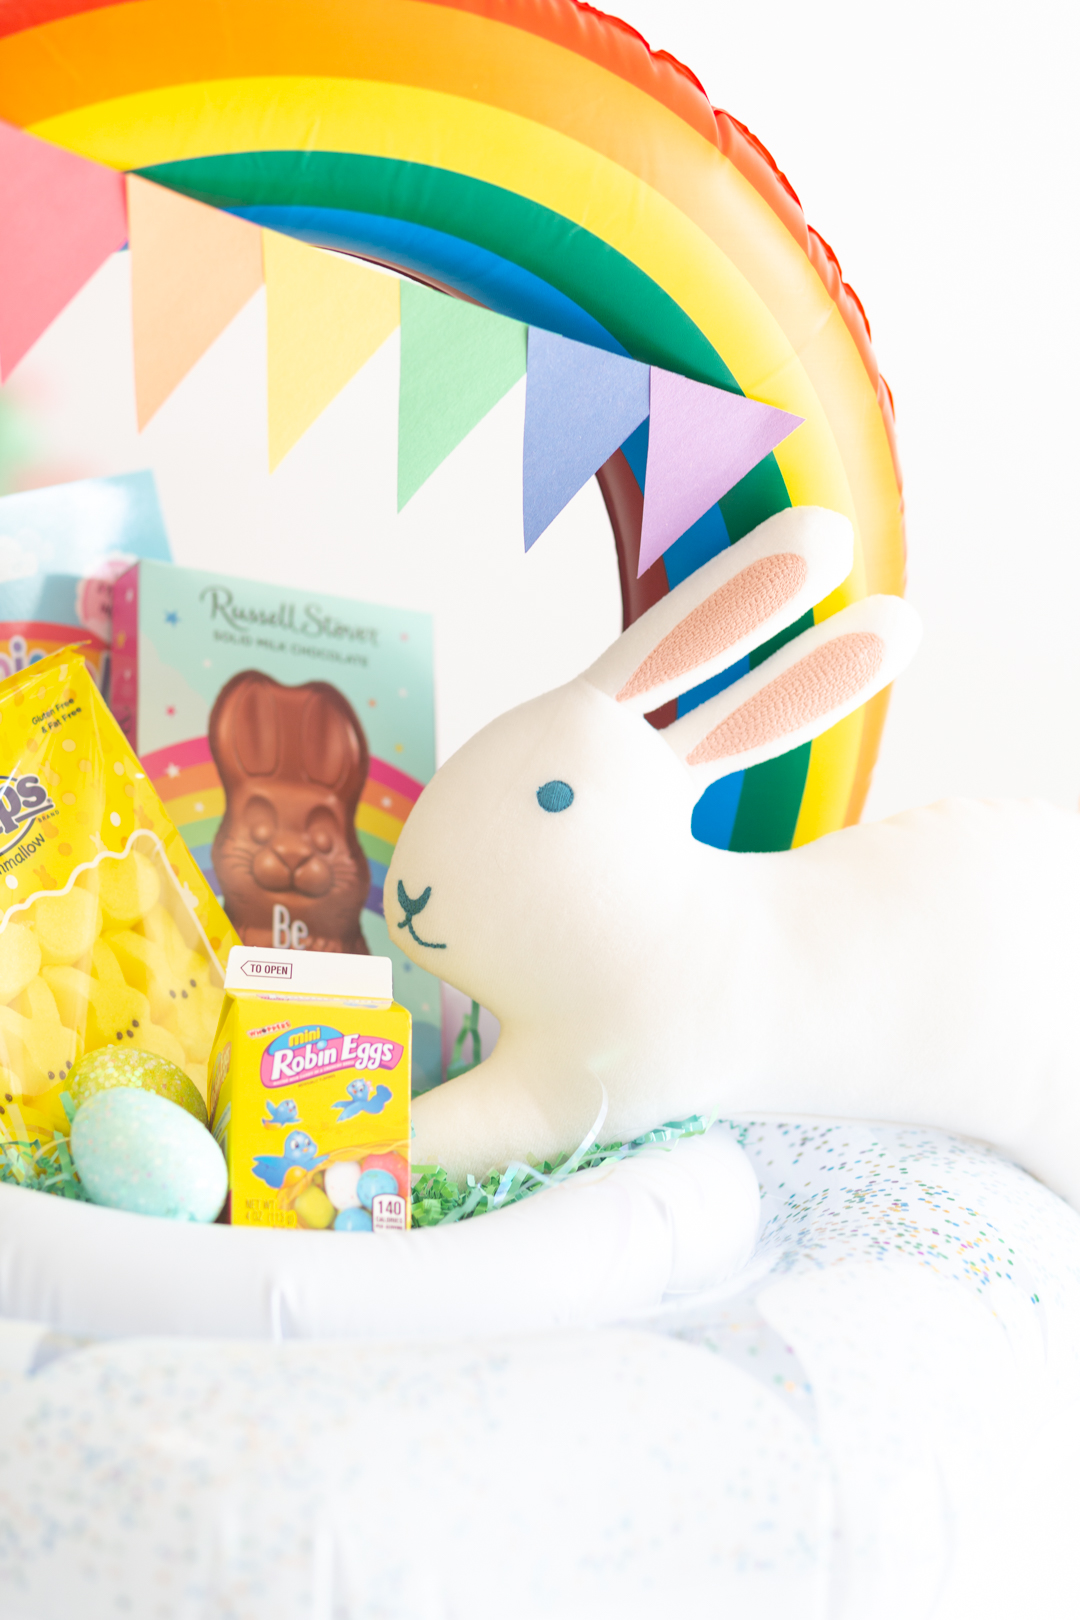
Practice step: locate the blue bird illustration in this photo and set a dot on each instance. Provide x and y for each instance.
(363, 1098)
(299, 1149)
(283, 1113)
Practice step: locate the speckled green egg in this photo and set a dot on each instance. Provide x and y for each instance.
(111, 1066)
(134, 1150)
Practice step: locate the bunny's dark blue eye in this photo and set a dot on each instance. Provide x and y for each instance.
(555, 796)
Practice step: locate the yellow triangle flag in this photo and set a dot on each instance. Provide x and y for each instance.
(325, 317)
(192, 269)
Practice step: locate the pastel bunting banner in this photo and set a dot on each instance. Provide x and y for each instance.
(457, 362)
(702, 440)
(326, 315)
(60, 218)
(193, 269)
(580, 404)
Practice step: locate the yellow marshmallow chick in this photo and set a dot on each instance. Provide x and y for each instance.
(11, 1125)
(20, 959)
(127, 888)
(162, 928)
(195, 1020)
(110, 1012)
(43, 1110)
(146, 966)
(45, 1113)
(104, 966)
(163, 1043)
(94, 855)
(23, 1119)
(66, 926)
(38, 1002)
(182, 1001)
(38, 1052)
(107, 1013)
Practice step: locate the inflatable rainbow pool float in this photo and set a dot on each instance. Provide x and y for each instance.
(535, 157)
(789, 1367)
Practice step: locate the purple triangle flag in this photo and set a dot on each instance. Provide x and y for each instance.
(580, 404)
(702, 440)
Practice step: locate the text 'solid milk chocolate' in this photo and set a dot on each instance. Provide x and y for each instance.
(310, 1091)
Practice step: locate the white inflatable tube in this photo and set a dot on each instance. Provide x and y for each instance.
(603, 1246)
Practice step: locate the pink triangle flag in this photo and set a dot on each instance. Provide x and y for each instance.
(702, 440)
(60, 218)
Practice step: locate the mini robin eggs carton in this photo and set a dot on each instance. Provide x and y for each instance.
(310, 1091)
(109, 934)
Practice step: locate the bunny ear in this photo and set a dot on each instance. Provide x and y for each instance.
(739, 599)
(243, 732)
(809, 685)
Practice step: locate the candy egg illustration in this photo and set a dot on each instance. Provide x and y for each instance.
(314, 1209)
(371, 1184)
(340, 1180)
(397, 1166)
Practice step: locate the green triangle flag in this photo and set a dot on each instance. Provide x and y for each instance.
(457, 362)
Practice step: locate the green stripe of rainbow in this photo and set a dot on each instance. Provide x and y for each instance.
(582, 130)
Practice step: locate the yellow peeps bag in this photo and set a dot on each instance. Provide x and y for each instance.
(109, 934)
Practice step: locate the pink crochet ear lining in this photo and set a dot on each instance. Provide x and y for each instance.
(723, 619)
(823, 680)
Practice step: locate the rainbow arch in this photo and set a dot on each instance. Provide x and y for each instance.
(536, 156)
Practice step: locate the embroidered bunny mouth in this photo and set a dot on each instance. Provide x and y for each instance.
(412, 908)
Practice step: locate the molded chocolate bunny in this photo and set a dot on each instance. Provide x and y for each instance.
(293, 761)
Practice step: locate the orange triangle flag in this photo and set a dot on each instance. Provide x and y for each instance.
(325, 317)
(193, 269)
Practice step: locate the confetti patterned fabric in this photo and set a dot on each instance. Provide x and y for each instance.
(878, 1417)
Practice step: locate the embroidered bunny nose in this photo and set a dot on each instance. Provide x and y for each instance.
(412, 908)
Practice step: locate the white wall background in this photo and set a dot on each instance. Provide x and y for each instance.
(934, 147)
(933, 143)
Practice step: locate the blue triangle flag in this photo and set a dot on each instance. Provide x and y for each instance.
(580, 404)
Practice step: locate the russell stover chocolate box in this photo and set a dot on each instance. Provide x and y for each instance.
(289, 735)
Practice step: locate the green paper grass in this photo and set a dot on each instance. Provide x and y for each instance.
(42, 1166)
(437, 1200)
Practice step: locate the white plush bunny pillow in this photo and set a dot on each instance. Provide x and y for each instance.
(915, 970)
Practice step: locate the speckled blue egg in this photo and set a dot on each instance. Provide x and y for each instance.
(136, 1151)
(371, 1184)
(352, 1220)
